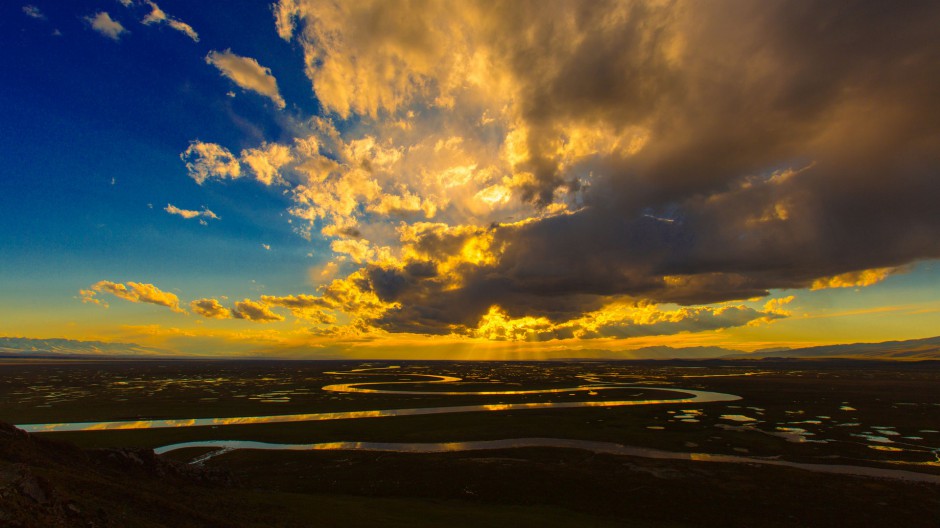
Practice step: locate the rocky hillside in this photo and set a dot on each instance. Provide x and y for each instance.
(45, 483)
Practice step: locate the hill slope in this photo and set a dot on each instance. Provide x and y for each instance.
(914, 349)
(27, 347)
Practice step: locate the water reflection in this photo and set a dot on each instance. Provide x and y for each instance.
(737, 418)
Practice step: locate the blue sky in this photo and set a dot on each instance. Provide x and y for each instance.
(93, 132)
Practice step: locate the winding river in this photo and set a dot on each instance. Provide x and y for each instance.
(686, 396)
(693, 396)
(608, 448)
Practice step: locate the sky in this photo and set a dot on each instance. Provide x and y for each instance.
(469, 180)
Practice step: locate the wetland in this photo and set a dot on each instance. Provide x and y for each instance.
(851, 439)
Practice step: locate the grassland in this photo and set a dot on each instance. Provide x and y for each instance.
(875, 414)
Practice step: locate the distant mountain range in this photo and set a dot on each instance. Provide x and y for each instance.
(914, 349)
(26, 347)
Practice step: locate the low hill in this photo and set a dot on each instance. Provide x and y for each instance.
(50, 484)
(28, 347)
(54, 484)
(914, 349)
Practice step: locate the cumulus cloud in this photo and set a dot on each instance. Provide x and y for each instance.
(247, 73)
(189, 214)
(302, 306)
(255, 311)
(206, 161)
(779, 306)
(354, 69)
(619, 320)
(104, 24)
(210, 308)
(158, 16)
(692, 205)
(210, 161)
(545, 167)
(89, 296)
(134, 292)
(266, 160)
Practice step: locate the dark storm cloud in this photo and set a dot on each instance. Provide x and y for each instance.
(844, 92)
(776, 143)
(788, 141)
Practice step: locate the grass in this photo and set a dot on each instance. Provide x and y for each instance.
(523, 487)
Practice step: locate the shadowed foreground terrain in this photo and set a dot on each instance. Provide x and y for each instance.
(47, 483)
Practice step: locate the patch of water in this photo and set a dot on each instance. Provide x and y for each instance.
(587, 445)
(796, 435)
(885, 448)
(872, 437)
(886, 430)
(737, 418)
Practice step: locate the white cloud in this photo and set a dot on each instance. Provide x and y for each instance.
(33, 12)
(208, 160)
(158, 16)
(189, 214)
(104, 24)
(247, 73)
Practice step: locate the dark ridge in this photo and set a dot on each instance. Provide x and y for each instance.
(48, 483)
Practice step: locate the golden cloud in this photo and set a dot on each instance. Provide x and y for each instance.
(105, 25)
(255, 311)
(266, 160)
(247, 73)
(158, 16)
(208, 160)
(558, 169)
(210, 308)
(302, 306)
(623, 320)
(189, 213)
(134, 292)
(854, 279)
